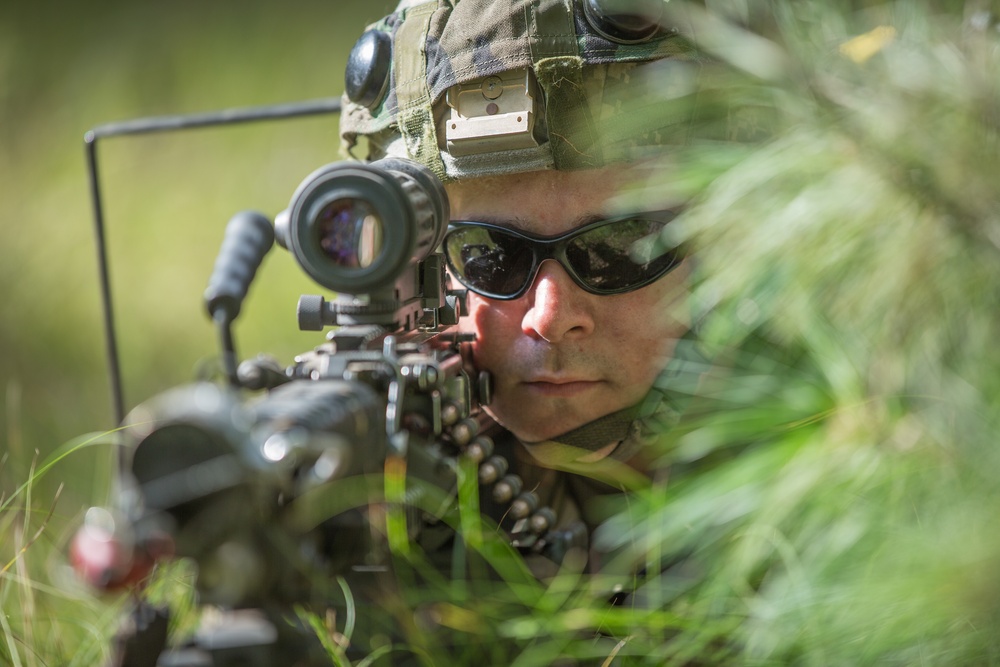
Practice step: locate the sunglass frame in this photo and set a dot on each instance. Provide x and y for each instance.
(554, 247)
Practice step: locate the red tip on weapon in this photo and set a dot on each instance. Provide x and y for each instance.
(109, 558)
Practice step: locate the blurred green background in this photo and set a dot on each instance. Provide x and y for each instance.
(67, 67)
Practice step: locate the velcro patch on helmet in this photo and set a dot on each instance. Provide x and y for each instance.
(496, 113)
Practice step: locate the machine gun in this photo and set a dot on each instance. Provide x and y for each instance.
(278, 481)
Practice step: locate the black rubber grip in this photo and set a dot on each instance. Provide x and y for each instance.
(249, 236)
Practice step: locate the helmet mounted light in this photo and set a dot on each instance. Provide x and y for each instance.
(367, 75)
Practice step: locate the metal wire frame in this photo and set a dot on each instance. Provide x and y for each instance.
(150, 125)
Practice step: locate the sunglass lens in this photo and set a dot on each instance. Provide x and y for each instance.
(620, 255)
(489, 261)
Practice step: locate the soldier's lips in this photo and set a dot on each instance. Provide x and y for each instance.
(560, 388)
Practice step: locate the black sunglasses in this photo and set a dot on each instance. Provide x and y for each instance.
(605, 257)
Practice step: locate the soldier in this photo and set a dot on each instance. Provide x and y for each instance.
(540, 117)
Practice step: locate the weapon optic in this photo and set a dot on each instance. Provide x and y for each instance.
(275, 482)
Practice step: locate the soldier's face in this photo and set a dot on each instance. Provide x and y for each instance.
(562, 357)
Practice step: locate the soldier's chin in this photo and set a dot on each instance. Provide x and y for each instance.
(531, 430)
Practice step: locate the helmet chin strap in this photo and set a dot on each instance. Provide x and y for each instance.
(591, 442)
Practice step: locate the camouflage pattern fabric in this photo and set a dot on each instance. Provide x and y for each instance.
(602, 99)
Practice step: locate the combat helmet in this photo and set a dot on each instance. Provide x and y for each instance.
(487, 87)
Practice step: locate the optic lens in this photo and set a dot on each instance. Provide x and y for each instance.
(350, 233)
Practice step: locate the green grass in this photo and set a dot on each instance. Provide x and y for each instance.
(49, 617)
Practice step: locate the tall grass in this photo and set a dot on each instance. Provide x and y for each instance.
(49, 617)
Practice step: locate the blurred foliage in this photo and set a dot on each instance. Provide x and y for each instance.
(827, 499)
(832, 485)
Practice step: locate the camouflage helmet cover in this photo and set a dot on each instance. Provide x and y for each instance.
(579, 86)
